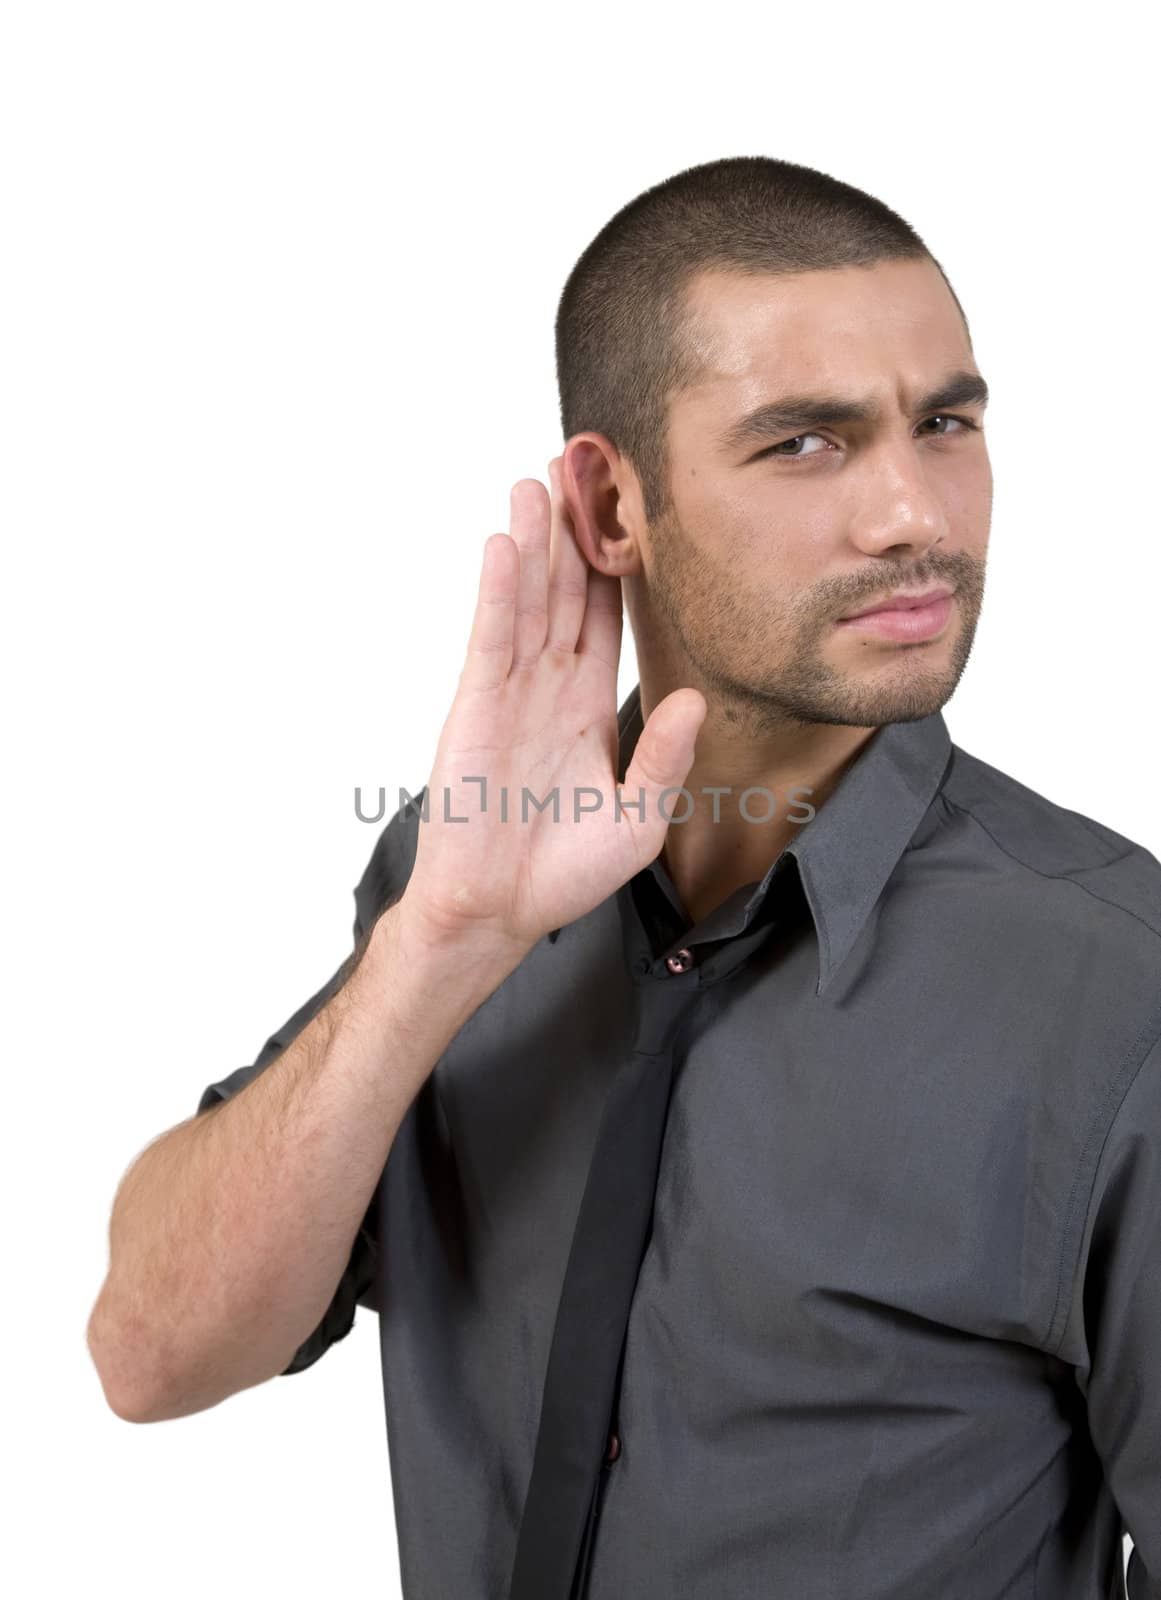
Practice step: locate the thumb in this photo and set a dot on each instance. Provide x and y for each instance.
(664, 753)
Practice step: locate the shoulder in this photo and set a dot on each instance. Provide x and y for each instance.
(1091, 892)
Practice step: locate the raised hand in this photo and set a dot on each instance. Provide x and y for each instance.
(536, 709)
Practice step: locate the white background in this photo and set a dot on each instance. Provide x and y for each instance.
(279, 285)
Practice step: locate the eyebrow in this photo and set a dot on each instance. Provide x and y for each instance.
(795, 412)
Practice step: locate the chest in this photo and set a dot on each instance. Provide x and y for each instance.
(905, 1155)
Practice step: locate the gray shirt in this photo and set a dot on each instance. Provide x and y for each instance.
(896, 1332)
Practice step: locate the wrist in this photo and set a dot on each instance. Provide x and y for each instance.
(417, 959)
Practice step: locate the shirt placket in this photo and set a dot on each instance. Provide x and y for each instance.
(575, 1447)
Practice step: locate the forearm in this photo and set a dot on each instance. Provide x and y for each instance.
(229, 1234)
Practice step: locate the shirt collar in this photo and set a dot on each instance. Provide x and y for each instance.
(848, 850)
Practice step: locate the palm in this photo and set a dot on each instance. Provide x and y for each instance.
(536, 711)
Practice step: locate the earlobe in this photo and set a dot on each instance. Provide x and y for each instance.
(603, 541)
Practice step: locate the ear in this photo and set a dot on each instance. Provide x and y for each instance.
(603, 501)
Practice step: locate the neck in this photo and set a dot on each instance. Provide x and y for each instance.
(792, 769)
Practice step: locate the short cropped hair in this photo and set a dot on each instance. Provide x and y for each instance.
(620, 351)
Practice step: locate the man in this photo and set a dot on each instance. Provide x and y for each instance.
(764, 1203)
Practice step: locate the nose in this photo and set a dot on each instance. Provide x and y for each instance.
(898, 510)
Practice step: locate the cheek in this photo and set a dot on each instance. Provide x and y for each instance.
(966, 488)
(789, 525)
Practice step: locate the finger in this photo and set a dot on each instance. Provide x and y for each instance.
(662, 757)
(601, 629)
(567, 572)
(489, 657)
(530, 517)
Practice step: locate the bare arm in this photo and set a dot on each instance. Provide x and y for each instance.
(229, 1234)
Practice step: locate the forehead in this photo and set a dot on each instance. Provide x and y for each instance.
(879, 331)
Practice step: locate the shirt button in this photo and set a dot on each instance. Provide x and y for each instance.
(681, 962)
(612, 1448)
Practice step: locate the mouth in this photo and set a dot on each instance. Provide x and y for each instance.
(902, 601)
(904, 619)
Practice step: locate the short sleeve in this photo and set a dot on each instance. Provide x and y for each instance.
(384, 880)
(1116, 1312)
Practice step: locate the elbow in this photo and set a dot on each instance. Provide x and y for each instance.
(125, 1400)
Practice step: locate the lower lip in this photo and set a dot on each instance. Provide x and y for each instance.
(918, 622)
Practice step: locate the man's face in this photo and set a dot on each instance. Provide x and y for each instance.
(773, 538)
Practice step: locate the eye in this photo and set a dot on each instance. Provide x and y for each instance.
(965, 423)
(781, 449)
(787, 452)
